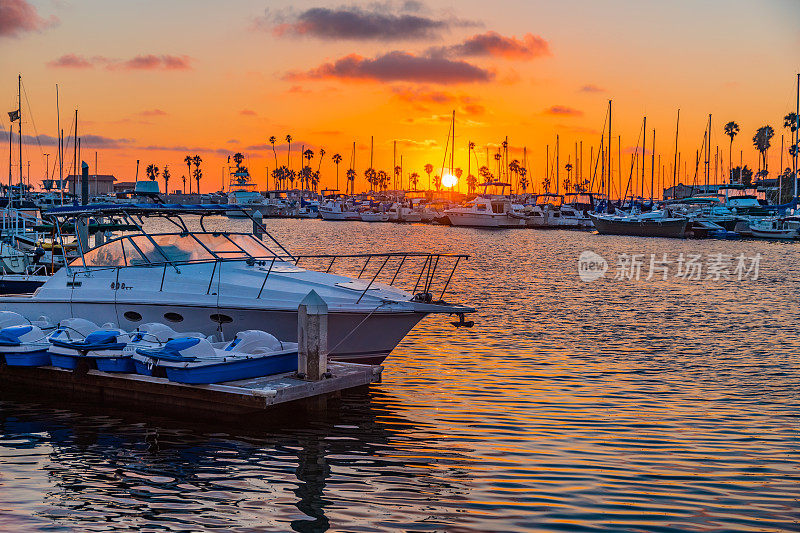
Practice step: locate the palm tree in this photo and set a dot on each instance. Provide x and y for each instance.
(731, 130)
(761, 140)
(523, 180)
(497, 157)
(428, 170)
(382, 179)
(546, 184)
(414, 179)
(238, 158)
(152, 172)
(272, 141)
(198, 174)
(398, 177)
(184, 183)
(336, 160)
(370, 174)
(790, 122)
(315, 179)
(188, 160)
(291, 175)
(351, 178)
(321, 156)
(513, 167)
(166, 179)
(308, 155)
(472, 181)
(305, 177)
(437, 182)
(568, 168)
(289, 151)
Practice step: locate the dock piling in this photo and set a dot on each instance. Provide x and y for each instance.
(312, 337)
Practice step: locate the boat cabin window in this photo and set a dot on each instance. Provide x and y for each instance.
(110, 254)
(481, 207)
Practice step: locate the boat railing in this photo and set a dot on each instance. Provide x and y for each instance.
(426, 276)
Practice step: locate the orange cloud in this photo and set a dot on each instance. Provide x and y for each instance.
(399, 66)
(141, 62)
(493, 44)
(562, 110)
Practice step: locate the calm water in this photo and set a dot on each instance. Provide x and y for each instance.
(617, 405)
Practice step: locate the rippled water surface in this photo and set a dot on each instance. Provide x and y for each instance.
(616, 405)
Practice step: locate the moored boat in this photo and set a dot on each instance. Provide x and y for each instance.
(652, 224)
(192, 360)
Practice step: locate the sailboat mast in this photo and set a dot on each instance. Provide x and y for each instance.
(796, 132)
(557, 163)
(60, 154)
(19, 108)
(675, 167)
(608, 181)
(653, 167)
(644, 144)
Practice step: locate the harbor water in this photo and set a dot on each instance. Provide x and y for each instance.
(617, 404)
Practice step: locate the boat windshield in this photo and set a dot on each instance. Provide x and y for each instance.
(140, 250)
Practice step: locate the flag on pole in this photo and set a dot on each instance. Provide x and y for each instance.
(13, 115)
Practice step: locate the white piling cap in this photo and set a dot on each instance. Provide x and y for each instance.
(314, 304)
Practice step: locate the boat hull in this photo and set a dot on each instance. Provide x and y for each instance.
(641, 228)
(222, 372)
(115, 364)
(33, 358)
(489, 220)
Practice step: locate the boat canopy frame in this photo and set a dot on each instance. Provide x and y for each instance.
(135, 214)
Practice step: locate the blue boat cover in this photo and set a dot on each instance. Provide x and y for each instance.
(172, 350)
(98, 340)
(10, 336)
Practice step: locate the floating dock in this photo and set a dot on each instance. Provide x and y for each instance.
(160, 395)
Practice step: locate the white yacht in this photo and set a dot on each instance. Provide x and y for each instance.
(403, 213)
(487, 212)
(337, 210)
(242, 192)
(220, 283)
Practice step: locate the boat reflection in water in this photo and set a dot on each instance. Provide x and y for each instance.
(218, 283)
(100, 470)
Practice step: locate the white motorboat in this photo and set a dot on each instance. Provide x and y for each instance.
(242, 192)
(774, 229)
(337, 210)
(374, 216)
(487, 212)
(219, 283)
(402, 213)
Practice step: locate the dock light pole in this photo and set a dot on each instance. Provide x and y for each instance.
(312, 337)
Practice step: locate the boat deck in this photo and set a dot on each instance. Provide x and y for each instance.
(151, 393)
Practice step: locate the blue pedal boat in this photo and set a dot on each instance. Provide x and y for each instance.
(195, 361)
(24, 345)
(104, 345)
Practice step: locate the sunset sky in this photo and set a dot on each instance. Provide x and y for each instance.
(156, 80)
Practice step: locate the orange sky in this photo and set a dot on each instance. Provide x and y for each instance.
(156, 82)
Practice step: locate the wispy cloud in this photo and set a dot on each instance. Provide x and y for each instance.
(87, 141)
(378, 22)
(153, 113)
(492, 44)
(140, 62)
(563, 111)
(411, 144)
(18, 17)
(248, 113)
(398, 66)
(592, 89)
